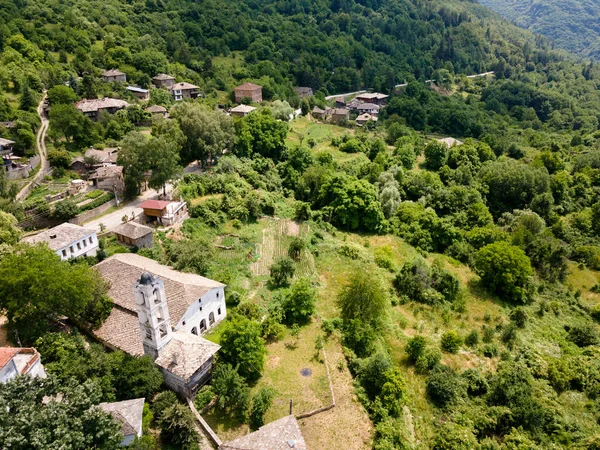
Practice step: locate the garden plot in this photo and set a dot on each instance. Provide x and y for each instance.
(277, 236)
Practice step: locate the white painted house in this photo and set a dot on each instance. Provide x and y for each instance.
(68, 240)
(16, 361)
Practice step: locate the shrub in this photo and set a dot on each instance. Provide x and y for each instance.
(282, 271)
(444, 386)
(415, 348)
(428, 360)
(383, 257)
(505, 270)
(583, 335)
(296, 247)
(472, 339)
(430, 285)
(451, 342)
(65, 210)
(452, 436)
(203, 397)
(519, 316)
(476, 383)
(300, 301)
(233, 394)
(178, 426)
(261, 402)
(162, 401)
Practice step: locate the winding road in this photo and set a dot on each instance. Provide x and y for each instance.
(40, 143)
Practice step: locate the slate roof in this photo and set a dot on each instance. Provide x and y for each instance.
(243, 109)
(317, 110)
(248, 87)
(112, 73)
(102, 173)
(133, 230)
(283, 434)
(108, 155)
(60, 236)
(163, 77)
(124, 270)
(4, 142)
(92, 105)
(340, 112)
(183, 86)
(185, 354)
(372, 95)
(154, 109)
(128, 413)
(121, 330)
(450, 141)
(368, 107)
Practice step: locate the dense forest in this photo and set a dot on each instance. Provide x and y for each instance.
(448, 279)
(572, 24)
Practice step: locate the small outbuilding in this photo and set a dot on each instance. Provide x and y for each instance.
(114, 75)
(128, 414)
(135, 234)
(157, 111)
(138, 92)
(338, 115)
(241, 110)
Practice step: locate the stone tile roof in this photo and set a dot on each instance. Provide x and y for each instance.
(317, 110)
(7, 142)
(112, 73)
(368, 107)
(108, 155)
(185, 354)
(156, 109)
(450, 141)
(248, 87)
(133, 230)
(183, 86)
(283, 434)
(340, 112)
(123, 271)
(60, 236)
(122, 330)
(128, 413)
(372, 95)
(163, 77)
(107, 172)
(243, 109)
(93, 105)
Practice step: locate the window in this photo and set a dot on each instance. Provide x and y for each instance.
(195, 331)
(203, 325)
(64, 253)
(71, 248)
(91, 241)
(84, 242)
(79, 246)
(211, 318)
(217, 295)
(219, 311)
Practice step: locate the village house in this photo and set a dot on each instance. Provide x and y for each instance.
(6, 152)
(105, 157)
(372, 97)
(340, 102)
(364, 118)
(67, 240)
(250, 91)
(449, 142)
(282, 434)
(20, 361)
(304, 92)
(139, 93)
(368, 108)
(162, 80)
(162, 312)
(78, 165)
(241, 110)
(109, 178)
(114, 75)
(157, 111)
(181, 91)
(321, 114)
(128, 414)
(92, 107)
(164, 212)
(338, 115)
(136, 234)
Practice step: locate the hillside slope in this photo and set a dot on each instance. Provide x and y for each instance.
(573, 24)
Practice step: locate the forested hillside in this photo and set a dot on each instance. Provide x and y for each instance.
(573, 24)
(454, 288)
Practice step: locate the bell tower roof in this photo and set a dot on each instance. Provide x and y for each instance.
(146, 278)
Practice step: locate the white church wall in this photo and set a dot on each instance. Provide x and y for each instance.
(211, 302)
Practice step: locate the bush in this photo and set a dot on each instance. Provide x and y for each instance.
(583, 335)
(282, 271)
(472, 339)
(415, 348)
(452, 436)
(519, 316)
(424, 284)
(451, 342)
(475, 381)
(203, 397)
(261, 402)
(444, 386)
(383, 258)
(162, 401)
(233, 394)
(295, 248)
(428, 360)
(300, 301)
(178, 427)
(505, 270)
(65, 210)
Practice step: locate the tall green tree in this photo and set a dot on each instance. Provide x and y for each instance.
(37, 288)
(69, 123)
(260, 132)
(242, 345)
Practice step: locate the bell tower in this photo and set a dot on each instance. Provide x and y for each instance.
(153, 314)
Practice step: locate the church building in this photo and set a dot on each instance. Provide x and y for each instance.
(161, 312)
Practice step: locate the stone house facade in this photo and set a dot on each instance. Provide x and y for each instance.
(250, 91)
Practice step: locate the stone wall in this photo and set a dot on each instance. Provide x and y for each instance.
(89, 215)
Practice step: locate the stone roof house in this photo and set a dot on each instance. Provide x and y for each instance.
(16, 361)
(162, 80)
(129, 414)
(189, 306)
(364, 118)
(92, 107)
(372, 97)
(304, 92)
(113, 75)
(340, 114)
(107, 156)
(250, 91)
(449, 142)
(132, 233)
(319, 113)
(241, 110)
(109, 178)
(67, 240)
(370, 108)
(181, 91)
(282, 434)
(157, 110)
